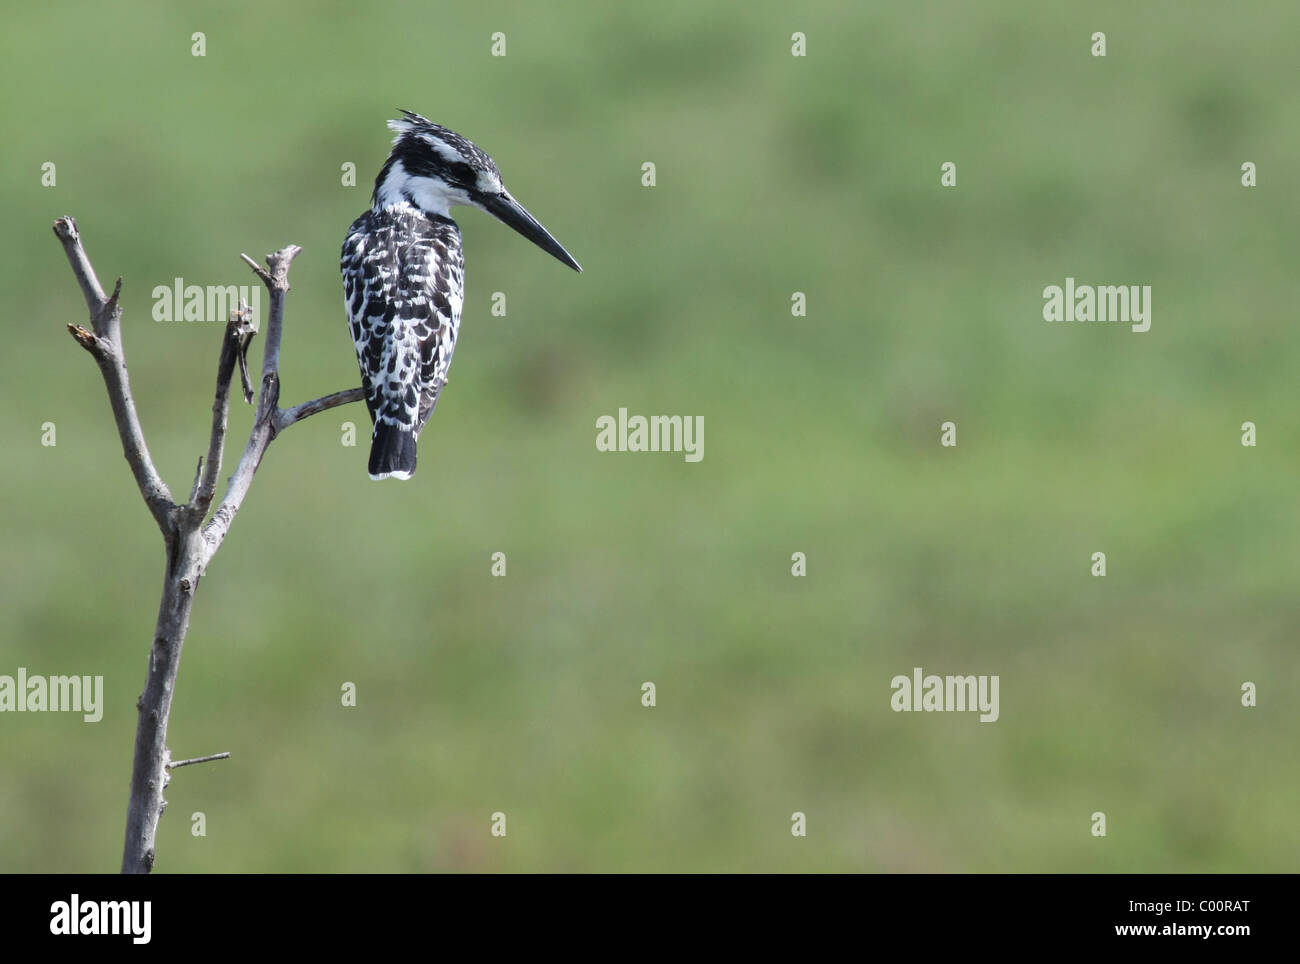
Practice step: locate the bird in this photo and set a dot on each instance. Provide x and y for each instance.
(404, 277)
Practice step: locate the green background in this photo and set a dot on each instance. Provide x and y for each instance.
(775, 174)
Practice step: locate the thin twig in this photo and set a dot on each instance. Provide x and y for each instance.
(198, 759)
(288, 416)
(198, 479)
(245, 380)
(257, 269)
(278, 285)
(233, 347)
(66, 230)
(106, 347)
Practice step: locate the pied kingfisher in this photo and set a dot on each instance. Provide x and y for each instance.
(404, 277)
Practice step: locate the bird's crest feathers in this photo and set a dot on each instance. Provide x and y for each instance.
(411, 124)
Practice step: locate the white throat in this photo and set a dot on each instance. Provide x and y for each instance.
(429, 195)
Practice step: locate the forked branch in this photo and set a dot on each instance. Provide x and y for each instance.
(190, 544)
(104, 342)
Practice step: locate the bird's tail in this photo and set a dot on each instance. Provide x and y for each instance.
(392, 452)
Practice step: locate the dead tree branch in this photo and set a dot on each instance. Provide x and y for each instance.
(190, 545)
(104, 342)
(234, 350)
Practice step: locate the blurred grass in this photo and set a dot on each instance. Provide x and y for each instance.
(775, 174)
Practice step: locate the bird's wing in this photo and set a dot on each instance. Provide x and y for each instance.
(403, 282)
(379, 305)
(443, 271)
(359, 293)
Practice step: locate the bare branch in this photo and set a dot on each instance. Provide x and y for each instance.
(270, 419)
(257, 269)
(278, 285)
(105, 345)
(198, 759)
(198, 477)
(86, 339)
(234, 346)
(245, 380)
(149, 760)
(66, 230)
(190, 544)
(288, 416)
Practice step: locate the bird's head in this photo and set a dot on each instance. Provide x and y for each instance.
(433, 168)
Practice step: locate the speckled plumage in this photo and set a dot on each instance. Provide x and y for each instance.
(404, 284)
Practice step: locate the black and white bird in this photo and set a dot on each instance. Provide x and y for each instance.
(404, 277)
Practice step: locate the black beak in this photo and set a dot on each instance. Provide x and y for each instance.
(509, 211)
